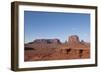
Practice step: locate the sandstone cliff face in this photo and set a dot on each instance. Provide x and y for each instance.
(73, 39)
(53, 49)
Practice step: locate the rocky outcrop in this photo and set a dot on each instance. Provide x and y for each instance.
(47, 41)
(73, 39)
(53, 49)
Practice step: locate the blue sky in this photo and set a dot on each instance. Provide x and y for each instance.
(50, 25)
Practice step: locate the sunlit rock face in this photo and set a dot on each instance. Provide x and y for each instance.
(73, 39)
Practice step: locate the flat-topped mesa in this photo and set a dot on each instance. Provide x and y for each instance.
(73, 39)
(48, 41)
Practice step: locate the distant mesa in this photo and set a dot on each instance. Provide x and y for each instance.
(73, 39)
(47, 41)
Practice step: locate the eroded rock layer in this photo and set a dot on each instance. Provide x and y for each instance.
(53, 49)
